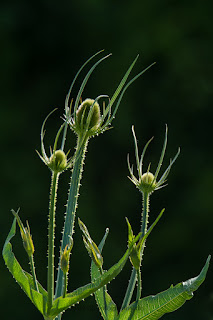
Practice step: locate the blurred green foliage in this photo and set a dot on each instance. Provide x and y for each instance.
(43, 44)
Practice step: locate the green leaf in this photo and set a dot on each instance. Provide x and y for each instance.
(24, 279)
(154, 307)
(61, 304)
(105, 303)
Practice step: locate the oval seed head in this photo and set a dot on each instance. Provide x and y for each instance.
(86, 118)
(58, 161)
(147, 183)
(147, 178)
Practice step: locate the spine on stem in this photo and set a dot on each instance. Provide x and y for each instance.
(134, 274)
(32, 267)
(71, 206)
(145, 217)
(51, 237)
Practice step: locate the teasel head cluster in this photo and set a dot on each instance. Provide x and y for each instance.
(147, 182)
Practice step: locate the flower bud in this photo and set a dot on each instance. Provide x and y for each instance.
(147, 178)
(27, 240)
(58, 161)
(65, 257)
(135, 257)
(90, 245)
(25, 234)
(147, 183)
(86, 118)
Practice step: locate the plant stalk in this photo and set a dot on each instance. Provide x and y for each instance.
(65, 284)
(32, 267)
(71, 207)
(133, 278)
(51, 237)
(139, 287)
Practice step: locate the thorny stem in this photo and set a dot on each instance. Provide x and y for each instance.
(139, 287)
(32, 267)
(71, 206)
(133, 278)
(65, 284)
(51, 236)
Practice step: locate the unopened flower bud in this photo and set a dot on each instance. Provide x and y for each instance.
(25, 234)
(147, 183)
(58, 161)
(27, 240)
(135, 257)
(90, 245)
(65, 257)
(86, 118)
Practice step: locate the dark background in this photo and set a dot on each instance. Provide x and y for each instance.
(43, 44)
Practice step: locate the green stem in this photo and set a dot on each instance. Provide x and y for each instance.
(133, 278)
(65, 285)
(139, 287)
(51, 236)
(32, 267)
(71, 206)
(104, 294)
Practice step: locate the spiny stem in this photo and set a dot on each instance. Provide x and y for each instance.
(133, 278)
(65, 284)
(71, 206)
(32, 267)
(145, 214)
(51, 236)
(139, 287)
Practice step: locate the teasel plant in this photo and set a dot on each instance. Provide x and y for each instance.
(146, 183)
(87, 118)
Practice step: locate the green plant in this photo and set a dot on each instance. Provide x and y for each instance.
(87, 119)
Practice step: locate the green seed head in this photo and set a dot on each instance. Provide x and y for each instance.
(147, 178)
(147, 183)
(86, 118)
(58, 161)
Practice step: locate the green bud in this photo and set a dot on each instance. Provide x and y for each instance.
(135, 252)
(27, 240)
(135, 258)
(65, 257)
(25, 234)
(58, 161)
(147, 183)
(147, 178)
(87, 118)
(90, 245)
